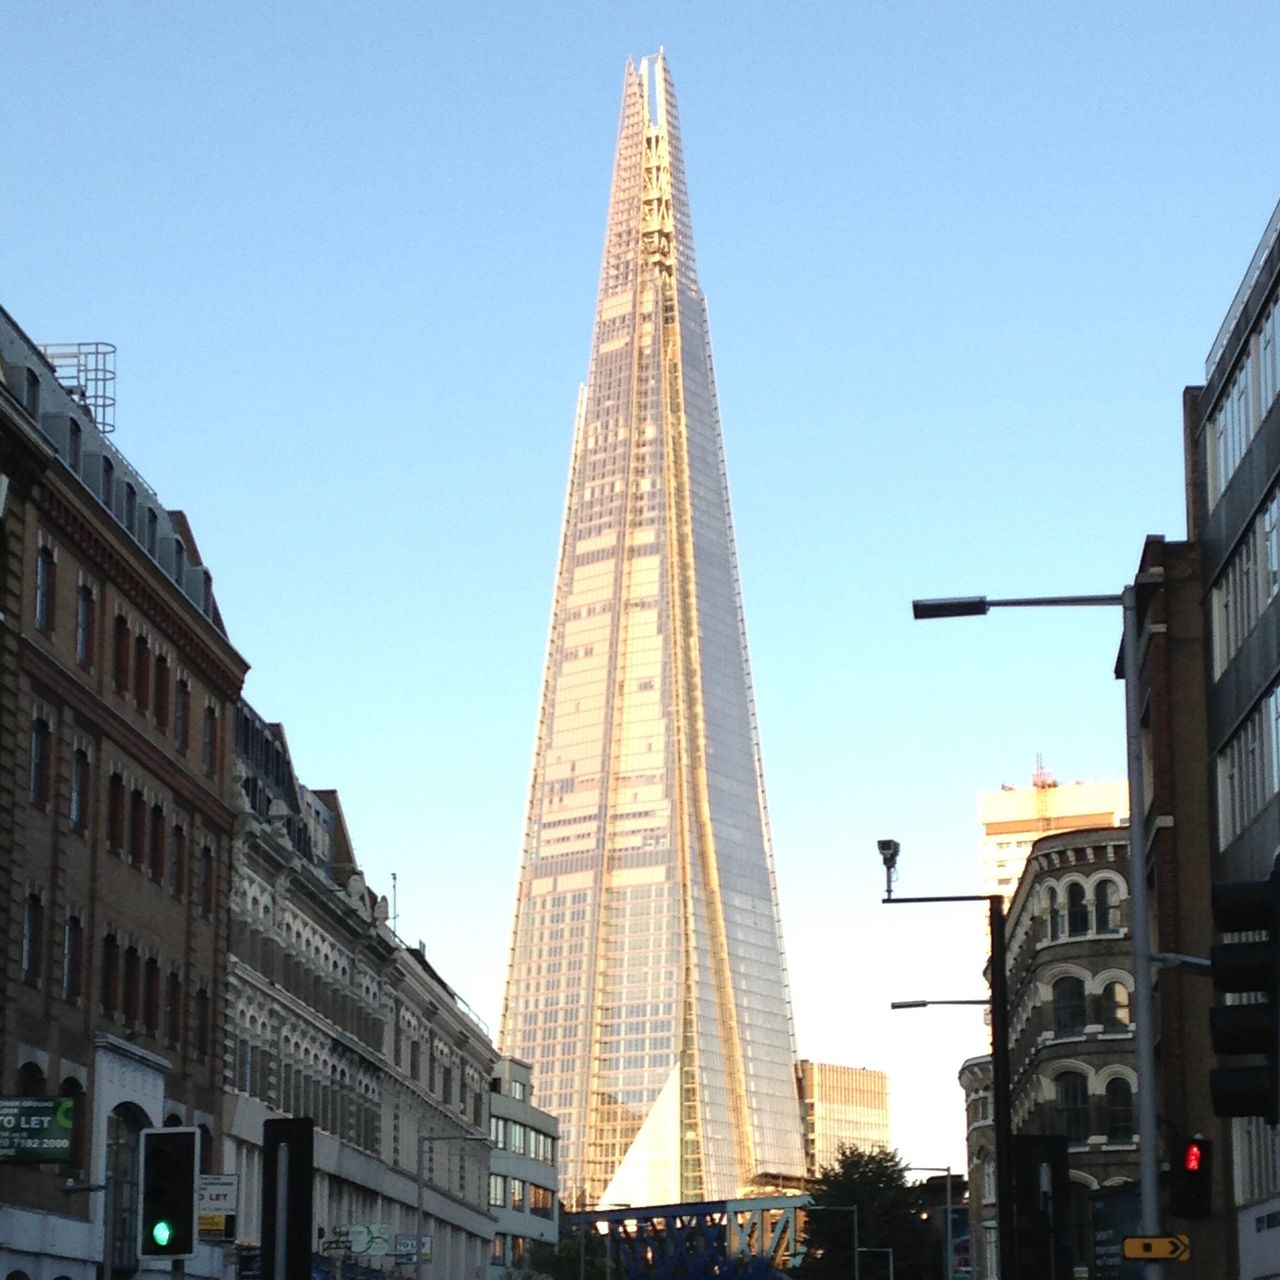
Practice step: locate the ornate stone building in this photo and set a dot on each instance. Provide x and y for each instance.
(330, 1016)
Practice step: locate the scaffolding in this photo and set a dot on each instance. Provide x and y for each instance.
(88, 371)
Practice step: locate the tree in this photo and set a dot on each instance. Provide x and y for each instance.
(570, 1257)
(887, 1216)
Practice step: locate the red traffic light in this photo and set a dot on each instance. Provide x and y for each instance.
(1191, 1157)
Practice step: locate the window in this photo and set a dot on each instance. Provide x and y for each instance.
(153, 531)
(1068, 1007)
(79, 807)
(1104, 907)
(120, 654)
(155, 860)
(33, 940)
(31, 1081)
(206, 881)
(178, 862)
(39, 761)
(1055, 916)
(541, 1201)
(179, 561)
(518, 1090)
(498, 1132)
(1077, 911)
(1119, 1111)
(201, 1014)
(108, 483)
(1071, 1092)
(498, 1250)
(130, 507)
(415, 1059)
(497, 1191)
(141, 673)
(110, 993)
(72, 960)
(31, 397)
(517, 1194)
(182, 715)
(515, 1137)
(75, 446)
(172, 1009)
(46, 586)
(210, 739)
(1115, 1007)
(129, 992)
(151, 997)
(84, 626)
(137, 827)
(162, 692)
(115, 813)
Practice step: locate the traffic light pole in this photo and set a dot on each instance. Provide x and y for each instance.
(1001, 1103)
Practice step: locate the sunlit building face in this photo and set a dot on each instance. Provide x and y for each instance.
(646, 982)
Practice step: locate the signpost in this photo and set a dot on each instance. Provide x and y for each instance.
(1158, 1248)
(36, 1130)
(217, 1201)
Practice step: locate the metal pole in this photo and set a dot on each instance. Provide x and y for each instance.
(1001, 1093)
(417, 1252)
(948, 1265)
(1140, 929)
(857, 1253)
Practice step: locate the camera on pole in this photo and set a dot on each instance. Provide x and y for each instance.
(1249, 968)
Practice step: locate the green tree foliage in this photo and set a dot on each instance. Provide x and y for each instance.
(888, 1218)
(569, 1258)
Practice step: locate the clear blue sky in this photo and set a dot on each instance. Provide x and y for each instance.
(961, 261)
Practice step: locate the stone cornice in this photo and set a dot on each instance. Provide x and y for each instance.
(213, 810)
(108, 549)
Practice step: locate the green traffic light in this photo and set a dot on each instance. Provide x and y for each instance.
(162, 1232)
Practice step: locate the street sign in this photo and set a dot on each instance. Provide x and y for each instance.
(36, 1130)
(217, 1202)
(407, 1248)
(1158, 1248)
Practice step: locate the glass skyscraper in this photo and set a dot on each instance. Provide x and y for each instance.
(646, 982)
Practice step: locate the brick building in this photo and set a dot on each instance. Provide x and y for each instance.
(117, 690)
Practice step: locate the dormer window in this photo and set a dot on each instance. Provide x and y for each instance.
(31, 394)
(153, 530)
(179, 561)
(108, 480)
(130, 506)
(75, 446)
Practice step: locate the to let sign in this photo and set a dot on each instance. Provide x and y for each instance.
(36, 1130)
(217, 1199)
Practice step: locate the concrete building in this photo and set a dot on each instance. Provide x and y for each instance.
(980, 1147)
(1013, 818)
(1232, 435)
(117, 692)
(646, 983)
(330, 1016)
(522, 1172)
(840, 1107)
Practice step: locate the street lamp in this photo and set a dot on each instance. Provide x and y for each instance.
(1000, 1091)
(1145, 1038)
(948, 1265)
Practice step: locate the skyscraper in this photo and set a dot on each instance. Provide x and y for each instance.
(646, 981)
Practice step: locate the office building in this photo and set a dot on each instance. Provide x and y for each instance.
(1013, 818)
(118, 685)
(646, 983)
(842, 1107)
(1232, 435)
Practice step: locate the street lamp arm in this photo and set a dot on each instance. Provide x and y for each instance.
(979, 606)
(924, 1004)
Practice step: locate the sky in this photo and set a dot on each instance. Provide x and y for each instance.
(960, 261)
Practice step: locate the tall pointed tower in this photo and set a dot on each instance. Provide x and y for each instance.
(646, 981)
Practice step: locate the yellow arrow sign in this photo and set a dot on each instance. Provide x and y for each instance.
(1158, 1248)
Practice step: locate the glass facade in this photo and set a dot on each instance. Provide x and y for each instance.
(646, 982)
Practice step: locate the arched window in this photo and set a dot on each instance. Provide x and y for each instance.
(1119, 1110)
(1115, 1007)
(1077, 911)
(1104, 907)
(33, 940)
(75, 446)
(1055, 916)
(1071, 1092)
(1068, 1007)
(30, 1081)
(78, 809)
(121, 1207)
(46, 584)
(72, 959)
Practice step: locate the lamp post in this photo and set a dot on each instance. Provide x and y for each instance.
(1145, 1039)
(1000, 1091)
(948, 1265)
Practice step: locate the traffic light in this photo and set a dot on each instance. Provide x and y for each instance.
(167, 1206)
(1247, 968)
(1191, 1179)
